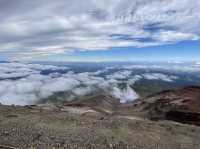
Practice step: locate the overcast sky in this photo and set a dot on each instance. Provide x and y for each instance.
(78, 30)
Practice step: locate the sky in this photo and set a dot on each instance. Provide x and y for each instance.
(100, 30)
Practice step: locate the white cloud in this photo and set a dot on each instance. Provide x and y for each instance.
(35, 29)
(172, 36)
(32, 85)
(125, 95)
(159, 76)
(175, 66)
(81, 91)
(120, 75)
(134, 79)
(22, 83)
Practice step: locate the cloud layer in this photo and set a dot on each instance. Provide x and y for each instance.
(23, 83)
(41, 28)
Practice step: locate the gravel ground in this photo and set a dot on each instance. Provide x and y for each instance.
(49, 127)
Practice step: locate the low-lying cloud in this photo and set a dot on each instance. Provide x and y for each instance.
(23, 84)
(125, 95)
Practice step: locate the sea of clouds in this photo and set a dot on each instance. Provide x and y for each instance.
(24, 83)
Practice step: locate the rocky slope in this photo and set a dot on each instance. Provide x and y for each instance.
(181, 105)
(168, 120)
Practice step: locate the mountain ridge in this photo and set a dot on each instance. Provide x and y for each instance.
(102, 122)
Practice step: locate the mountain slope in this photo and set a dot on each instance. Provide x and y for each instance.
(101, 122)
(104, 103)
(181, 105)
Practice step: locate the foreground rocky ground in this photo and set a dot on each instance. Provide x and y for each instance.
(98, 123)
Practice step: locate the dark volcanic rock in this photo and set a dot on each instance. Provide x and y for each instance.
(184, 117)
(181, 105)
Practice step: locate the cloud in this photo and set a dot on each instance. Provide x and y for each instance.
(120, 75)
(19, 70)
(172, 36)
(125, 95)
(32, 29)
(174, 66)
(159, 76)
(24, 84)
(81, 91)
(134, 79)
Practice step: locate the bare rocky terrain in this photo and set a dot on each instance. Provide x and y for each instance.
(168, 120)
